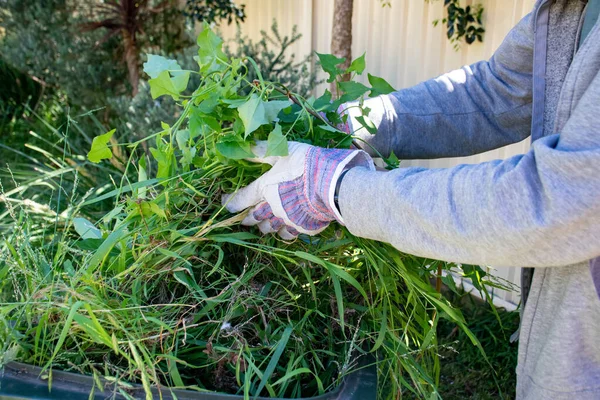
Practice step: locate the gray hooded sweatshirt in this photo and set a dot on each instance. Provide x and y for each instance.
(538, 210)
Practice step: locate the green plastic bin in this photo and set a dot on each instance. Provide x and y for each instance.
(22, 382)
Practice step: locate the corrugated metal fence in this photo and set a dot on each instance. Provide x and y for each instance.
(401, 45)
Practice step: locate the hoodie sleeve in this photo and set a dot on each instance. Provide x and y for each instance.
(468, 111)
(537, 209)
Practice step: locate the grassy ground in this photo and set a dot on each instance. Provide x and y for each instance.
(465, 373)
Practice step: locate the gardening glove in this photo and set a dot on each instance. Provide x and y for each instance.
(297, 194)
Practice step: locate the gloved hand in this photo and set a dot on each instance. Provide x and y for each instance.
(296, 194)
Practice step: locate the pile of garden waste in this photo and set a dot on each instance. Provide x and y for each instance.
(168, 290)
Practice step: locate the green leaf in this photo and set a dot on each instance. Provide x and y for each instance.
(235, 150)
(352, 90)
(379, 86)
(155, 208)
(367, 124)
(275, 359)
(329, 64)
(157, 64)
(210, 51)
(100, 150)
(323, 103)
(277, 143)
(86, 229)
(103, 251)
(252, 114)
(449, 281)
(164, 162)
(188, 153)
(163, 84)
(65, 330)
(392, 161)
(358, 65)
(142, 176)
(272, 108)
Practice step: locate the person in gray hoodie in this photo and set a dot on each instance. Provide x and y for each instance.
(539, 210)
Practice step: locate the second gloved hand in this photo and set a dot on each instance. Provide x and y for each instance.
(296, 194)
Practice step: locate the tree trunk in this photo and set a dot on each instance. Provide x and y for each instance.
(341, 35)
(131, 58)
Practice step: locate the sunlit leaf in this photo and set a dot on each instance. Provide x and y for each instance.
(352, 90)
(358, 65)
(277, 143)
(210, 51)
(253, 114)
(329, 64)
(235, 150)
(379, 86)
(157, 64)
(100, 150)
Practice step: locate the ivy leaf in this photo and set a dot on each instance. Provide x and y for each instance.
(392, 161)
(100, 150)
(379, 86)
(352, 90)
(157, 64)
(367, 124)
(329, 63)
(236, 150)
(252, 114)
(210, 50)
(358, 65)
(272, 108)
(164, 84)
(277, 143)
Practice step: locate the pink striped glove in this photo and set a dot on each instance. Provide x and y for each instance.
(296, 194)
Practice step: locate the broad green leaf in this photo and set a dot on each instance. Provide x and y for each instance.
(180, 81)
(252, 114)
(235, 150)
(157, 64)
(163, 84)
(379, 86)
(86, 229)
(277, 143)
(329, 64)
(210, 51)
(323, 103)
(358, 65)
(352, 90)
(272, 108)
(100, 150)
